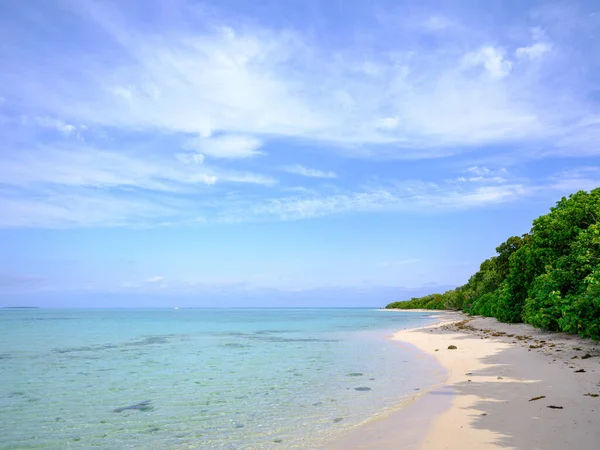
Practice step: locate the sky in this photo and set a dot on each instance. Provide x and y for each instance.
(283, 153)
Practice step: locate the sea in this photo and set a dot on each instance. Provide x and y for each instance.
(202, 378)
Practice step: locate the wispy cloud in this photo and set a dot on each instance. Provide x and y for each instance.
(66, 129)
(226, 147)
(437, 23)
(265, 82)
(425, 197)
(308, 172)
(53, 207)
(66, 164)
(482, 174)
(492, 59)
(150, 125)
(540, 46)
(155, 279)
(580, 178)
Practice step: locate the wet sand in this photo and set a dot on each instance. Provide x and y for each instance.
(508, 386)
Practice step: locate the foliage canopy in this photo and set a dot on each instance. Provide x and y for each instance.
(549, 277)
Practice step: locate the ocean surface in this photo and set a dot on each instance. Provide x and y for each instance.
(208, 378)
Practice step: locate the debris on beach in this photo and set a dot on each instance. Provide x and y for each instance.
(362, 388)
(591, 395)
(537, 398)
(554, 407)
(580, 371)
(452, 347)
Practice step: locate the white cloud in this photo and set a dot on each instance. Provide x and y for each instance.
(573, 180)
(156, 279)
(540, 46)
(428, 197)
(231, 93)
(492, 59)
(388, 123)
(482, 174)
(248, 85)
(226, 147)
(534, 51)
(51, 206)
(190, 158)
(308, 172)
(437, 23)
(55, 209)
(477, 170)
(85, 166)
(66, 129)
(122, 92)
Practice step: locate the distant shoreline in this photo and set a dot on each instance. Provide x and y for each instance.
(20, 307)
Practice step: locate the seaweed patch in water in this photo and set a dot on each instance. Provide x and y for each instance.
(148, 340)
(142, 406)
(285, 340)
(235, 345)
(275, 331)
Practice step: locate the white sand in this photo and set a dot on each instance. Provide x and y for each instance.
(493, 377)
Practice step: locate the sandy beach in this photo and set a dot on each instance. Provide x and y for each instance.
(508, 386)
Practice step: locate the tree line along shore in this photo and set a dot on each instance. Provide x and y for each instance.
(549, 277)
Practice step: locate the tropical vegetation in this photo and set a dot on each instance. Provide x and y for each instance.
(549, 277)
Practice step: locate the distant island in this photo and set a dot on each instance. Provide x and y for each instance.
(20, 307)
(549, 277)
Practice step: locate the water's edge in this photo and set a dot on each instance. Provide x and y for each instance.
(219, 379)
(406, 423)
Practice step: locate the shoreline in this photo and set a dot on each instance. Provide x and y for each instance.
(509, 385)
(407, 422)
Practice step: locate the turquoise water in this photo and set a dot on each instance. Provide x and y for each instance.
(214, 378)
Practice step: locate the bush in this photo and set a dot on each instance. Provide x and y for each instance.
(485, 305)
(581, 314)
(549, 278)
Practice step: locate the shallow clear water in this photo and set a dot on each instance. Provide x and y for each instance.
(215, 378)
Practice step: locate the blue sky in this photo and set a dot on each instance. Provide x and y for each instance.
(283, 153)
